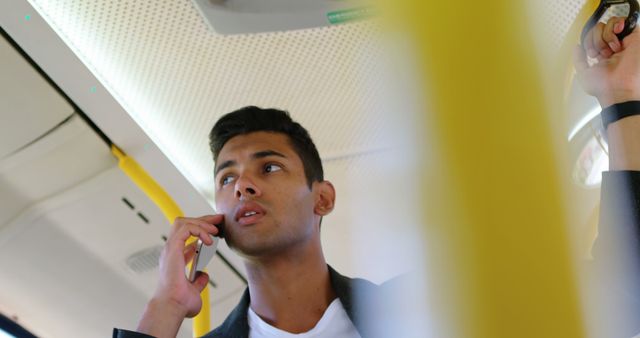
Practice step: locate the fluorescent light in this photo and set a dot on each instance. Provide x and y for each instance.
(584, 121)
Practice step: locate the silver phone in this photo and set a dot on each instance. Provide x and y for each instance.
(204, 254)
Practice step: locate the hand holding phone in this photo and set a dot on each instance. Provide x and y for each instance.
(175, 297)
(204, 254)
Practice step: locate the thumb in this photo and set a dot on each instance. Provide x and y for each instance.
(619, 26)
(202, 278)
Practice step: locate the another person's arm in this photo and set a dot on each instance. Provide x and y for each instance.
(614, 292)
(624, 144)
(614, 79)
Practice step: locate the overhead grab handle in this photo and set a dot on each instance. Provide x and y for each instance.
(629, 24)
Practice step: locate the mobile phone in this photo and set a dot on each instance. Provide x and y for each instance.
(204, 254)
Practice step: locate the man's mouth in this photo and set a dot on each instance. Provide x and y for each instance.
(249, 213)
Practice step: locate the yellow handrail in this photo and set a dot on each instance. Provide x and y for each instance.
(137, 174)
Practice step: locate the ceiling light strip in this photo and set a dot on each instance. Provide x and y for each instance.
(592, 114)
(352, 153)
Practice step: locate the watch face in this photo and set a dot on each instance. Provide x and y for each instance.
(592, 161)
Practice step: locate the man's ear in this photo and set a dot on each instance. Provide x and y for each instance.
(325, 198)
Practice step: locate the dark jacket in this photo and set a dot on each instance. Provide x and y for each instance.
(237, 326)
(614, 274)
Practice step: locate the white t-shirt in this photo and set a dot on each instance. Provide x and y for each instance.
(334, 323)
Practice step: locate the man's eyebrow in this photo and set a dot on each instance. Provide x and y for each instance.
(266, 153)
(223, 165)
(257, 155)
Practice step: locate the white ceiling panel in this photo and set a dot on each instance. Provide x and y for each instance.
(57, 289)
(70, 154)
(175, 77)
(554, 18)
(21, 115)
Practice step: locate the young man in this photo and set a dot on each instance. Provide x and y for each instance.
(271, 196)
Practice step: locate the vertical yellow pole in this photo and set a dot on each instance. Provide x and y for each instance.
(495, 203)
(202, 322)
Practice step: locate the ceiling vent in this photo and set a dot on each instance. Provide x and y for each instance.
(249, 16)
(145, 260)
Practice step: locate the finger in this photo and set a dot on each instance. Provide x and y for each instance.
(580, 59)
(191, 246)
(633, 35)
(198, 231)
(209, 227)
(201, 280)
(619, 26)
(213, 219)
(182, 221)
(189, 251)
(609, 34)
(177, 223)
(216, 220)
(186, 231)
(599, 44)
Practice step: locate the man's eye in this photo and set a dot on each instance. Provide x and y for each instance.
(226, 180)
(272, 167)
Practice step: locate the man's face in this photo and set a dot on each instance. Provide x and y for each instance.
(262, 191)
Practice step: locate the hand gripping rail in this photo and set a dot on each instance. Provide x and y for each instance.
(629, 24)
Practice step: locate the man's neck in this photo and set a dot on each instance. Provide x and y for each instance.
(291, 292)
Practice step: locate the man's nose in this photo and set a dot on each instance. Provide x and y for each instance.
(245, 187)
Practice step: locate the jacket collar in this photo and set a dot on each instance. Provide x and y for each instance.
(237, 326)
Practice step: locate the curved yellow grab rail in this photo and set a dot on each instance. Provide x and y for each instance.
(202, 322)
(493, 198)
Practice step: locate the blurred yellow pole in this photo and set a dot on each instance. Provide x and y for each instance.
(201, 322)
(496, 219)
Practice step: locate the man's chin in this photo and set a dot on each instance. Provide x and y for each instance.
(256, 249)
(253, 252)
